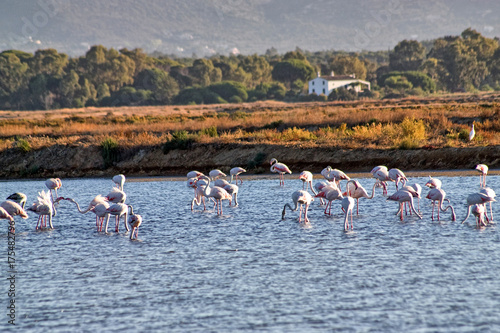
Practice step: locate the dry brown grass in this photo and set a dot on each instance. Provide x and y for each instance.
(375, 124)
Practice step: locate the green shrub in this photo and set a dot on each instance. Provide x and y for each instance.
(110, 152)
(180, 140)
(23, 145)
(211, 132)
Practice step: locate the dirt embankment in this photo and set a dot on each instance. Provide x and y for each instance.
(76, 161)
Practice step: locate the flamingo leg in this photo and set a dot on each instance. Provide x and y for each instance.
(401, 209)
(357, 206)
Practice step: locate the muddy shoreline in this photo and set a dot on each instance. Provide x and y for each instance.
(73, 161)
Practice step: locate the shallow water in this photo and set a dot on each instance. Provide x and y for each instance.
(249, 270)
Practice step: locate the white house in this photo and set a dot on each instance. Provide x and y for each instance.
(326, 84)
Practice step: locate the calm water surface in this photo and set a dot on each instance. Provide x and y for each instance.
(248, 270)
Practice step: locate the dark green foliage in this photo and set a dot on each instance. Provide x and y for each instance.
(343, 94)
(257, 161)
(180, 140)
(275, 124)
(417, 80)
(23, 145)
(110, 152)
(228, 89)
(211, 132)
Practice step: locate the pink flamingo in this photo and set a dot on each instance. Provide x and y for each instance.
(382, 176)
(98, 206)
(477, 199)
(306, 177)
(330, 193)
(438, 195)
(479, 212)
(279, 168)
(490, 194)
(221, 183)
(135, 221)
(5, 215)
(347, 207)
(118, 210)
(232, 189)
(337, 176)
(379, 167)
(318, 187)
(235, 172)
(433, 183)
(14, 209)
(119, 180)
(302, 198)
(53, 184)
(216, 174)
(194, 174)
(218, 193)
(356, 191)
(397, 176)
(402, 197)
(44, 207)
(116, 196)
(483, 169)
(198, 194)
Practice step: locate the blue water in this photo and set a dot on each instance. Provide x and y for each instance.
(249, 270)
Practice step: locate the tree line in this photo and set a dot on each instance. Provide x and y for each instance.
(48, 79)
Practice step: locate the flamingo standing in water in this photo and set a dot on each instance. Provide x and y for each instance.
(135, 221)
(119, 180)
(479, 212)
(348, 206)
(483, 169)
(18, 197)
(232, 189)
(318, 187)
(330, 193)
(356, 191)
(480, 198)
(5, 215)
(302, 198)
(44, 207)
(402, 196)
(397, 176)
(199, 188)
(194, 174)
(53, 184)
(9, 209)
(218, 193)
(382, 175)
(337, 176)
(306, 177)
(116, 196)
(433, 183)
(118, 210)
(438, 195)
(279, 168)
(98, 206)
(235, 172)
(490, 194)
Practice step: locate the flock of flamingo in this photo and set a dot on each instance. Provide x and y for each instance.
(102, 206)
(329, 190)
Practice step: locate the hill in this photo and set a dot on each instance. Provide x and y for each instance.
(205, 27)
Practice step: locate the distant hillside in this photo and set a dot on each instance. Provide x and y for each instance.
(208, 26)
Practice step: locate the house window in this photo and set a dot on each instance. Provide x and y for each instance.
(314, 91)
(324, 92)
(323, 82)
(313, 83)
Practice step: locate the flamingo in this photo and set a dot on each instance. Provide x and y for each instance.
(279, 168)
(116, 196)
(318, 187)
(326, 173)
(221, 182)
(53, 184)
(479, 212)
(418, 190)
(477, 199)
(44, 207)
(235, 172)
(348, 206)
(483, 169)
(119, 180)
(218, 193)
(194, 174)
(402, 196)
(14, 209)
(330, 193)
(18, 197)
(306, 177)
(438, 195)
(356, 191)
(135, 221)
(98, 206)
(472, 133)
(491, 194)
(198, 194)
(302, 198)
(379, 167)
(118, 210)
(232, 189)
(216, 173)
(337, 176)
(382, 175)
(433, 183)
(397, 176)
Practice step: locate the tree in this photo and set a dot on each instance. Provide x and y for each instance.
(228, 89)
(408, 55)
(48, 62)
(141, 60)
(13, 76)
(258, 68)
(346, 65)
(204, 72)
(162, 86)
(293, 69)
